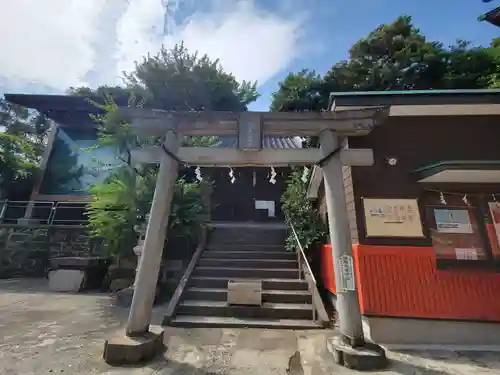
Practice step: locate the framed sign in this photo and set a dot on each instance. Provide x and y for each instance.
(455, 233)
(453, 221)
(392, 218)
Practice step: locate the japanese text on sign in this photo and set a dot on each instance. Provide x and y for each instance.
(346, 273)
(392, 218)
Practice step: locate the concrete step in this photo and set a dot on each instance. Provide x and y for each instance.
(253, 254)
(216, 321)
(254, 263)
(267, 284)
(245, 247)
(272, 296)
(267, 310)
(254, 273)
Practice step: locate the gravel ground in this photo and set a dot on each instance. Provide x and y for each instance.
(49, 333)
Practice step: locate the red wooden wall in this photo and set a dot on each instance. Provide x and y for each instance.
(403, 281)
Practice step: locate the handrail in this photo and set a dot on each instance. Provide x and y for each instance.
(176, 297)
(11, 212)
(319, 310)
(301, 251)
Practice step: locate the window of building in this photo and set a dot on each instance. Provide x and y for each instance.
(77, 162)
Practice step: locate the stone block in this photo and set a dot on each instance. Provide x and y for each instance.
(66, 280)
(119, 284)
(244, 292)
(125, 350)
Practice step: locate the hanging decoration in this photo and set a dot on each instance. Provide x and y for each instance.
(305, 175)
(231, 175)
(272, 180)
(464, 199)
(441, 198)
(465, 195)
(198, 175)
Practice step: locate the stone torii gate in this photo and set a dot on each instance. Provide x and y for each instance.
(142, 341)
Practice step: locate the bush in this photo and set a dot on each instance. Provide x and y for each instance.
(301, 214)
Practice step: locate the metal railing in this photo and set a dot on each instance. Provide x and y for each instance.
(42, 213)
(306, 273)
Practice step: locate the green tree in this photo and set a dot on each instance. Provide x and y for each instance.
(172, 80)
(394, 56)
(494, 78)
(299, 92)
(301, 213)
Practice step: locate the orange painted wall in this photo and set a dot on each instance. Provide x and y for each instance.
(327, 272)
(403, 281)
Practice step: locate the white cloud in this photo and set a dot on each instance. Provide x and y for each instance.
(250, 43)
(47, 42)
(59, 43)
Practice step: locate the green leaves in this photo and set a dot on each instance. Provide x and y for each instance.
(300, 211)
(174, 79)
(394, 56)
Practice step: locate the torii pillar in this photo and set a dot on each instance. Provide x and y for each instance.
(143, 342)
(348, 347)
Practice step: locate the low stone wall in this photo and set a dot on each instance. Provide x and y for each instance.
(25, 251)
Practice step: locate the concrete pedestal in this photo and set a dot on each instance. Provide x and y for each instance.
(125, 350)
(367, 357)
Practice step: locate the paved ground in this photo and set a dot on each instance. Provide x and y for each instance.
(49, 333)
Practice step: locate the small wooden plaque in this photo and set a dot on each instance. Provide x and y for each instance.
(247, 292)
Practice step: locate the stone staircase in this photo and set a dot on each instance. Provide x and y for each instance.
(246, 251)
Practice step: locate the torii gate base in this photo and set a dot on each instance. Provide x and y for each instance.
(143, 342)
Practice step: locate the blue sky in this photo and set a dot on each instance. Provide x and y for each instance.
(55, 44)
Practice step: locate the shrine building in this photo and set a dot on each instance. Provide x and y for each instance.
(425, 218)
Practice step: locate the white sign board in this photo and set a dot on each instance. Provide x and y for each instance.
(466, 254)
(346, 273)
(453, 221)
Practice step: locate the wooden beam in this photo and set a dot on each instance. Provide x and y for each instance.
(435, 110)
(350, 122)
(223, 157)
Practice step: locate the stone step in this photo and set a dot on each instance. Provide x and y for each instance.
(267, 284)
(248, 235)
(272, 296)
(216, 321)
(254, 273)
(254, 254)
(231, 247)
(249, 263)
(266, 311)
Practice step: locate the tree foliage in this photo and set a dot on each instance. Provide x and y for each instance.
(301, 213)
(172, 80)
(394, 56)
